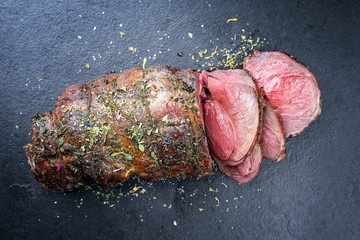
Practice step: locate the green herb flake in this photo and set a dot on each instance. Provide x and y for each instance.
(165, 119)
(141, 148)
(128, 157)
(123, 87)
(115, 154)
(153, 155)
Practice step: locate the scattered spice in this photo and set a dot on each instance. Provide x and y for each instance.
(180, 54)
(212, 54)
(190, 35)
(122, 34)
(231, 20)
(58, 166)
(218, 202)
(115, 154)
(132, 49)
(153, 155)
(201, 53)
(127, 173)
(144, 62)
(134, 189)
(87, 65)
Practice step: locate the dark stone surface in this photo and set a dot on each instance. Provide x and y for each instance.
(314, 193)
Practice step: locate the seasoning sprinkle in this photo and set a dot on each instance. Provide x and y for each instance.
(115, 154)
(231, 20)
(190, 35)
(132, 49)
(218, 202)
(144, 62)
(58, 166)
(127, 173)
(153, 155)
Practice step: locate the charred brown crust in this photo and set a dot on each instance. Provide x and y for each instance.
(107, 130)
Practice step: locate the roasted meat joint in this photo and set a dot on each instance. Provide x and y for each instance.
(162, 122)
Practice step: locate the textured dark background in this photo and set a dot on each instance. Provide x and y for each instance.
(314, 193)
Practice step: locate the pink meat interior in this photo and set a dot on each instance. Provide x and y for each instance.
(230, 108)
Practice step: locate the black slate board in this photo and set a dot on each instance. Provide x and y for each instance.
(314, 193)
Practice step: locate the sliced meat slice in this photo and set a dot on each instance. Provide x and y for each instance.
(247, 169)
(238, 96)
(289, 85)
(273, 136)
(222, 129)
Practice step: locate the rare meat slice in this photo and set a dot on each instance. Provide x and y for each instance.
(245, 170)
(272, 137)
(142, 123)
(289, 85)
(232, 113)
(220, 130)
